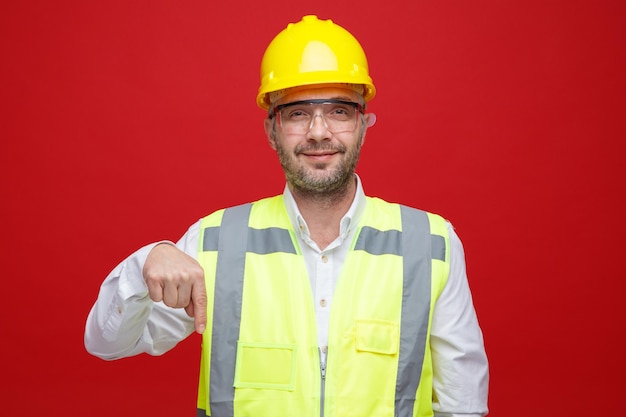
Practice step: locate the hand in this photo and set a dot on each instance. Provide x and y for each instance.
(177, 279)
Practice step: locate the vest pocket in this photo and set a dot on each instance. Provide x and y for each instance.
(377, 336)
(265, 365)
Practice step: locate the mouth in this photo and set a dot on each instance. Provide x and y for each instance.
(319, 156)
(318, 151)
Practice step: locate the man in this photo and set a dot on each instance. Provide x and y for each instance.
(258, 280)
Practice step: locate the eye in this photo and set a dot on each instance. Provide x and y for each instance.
(341, 112)
(295, 114)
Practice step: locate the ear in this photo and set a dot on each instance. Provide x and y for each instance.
(370, 120)
(270, 132)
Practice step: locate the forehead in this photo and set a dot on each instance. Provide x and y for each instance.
(311, 93)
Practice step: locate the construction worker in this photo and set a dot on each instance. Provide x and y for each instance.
(320, 301)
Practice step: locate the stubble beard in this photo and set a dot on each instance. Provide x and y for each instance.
(318, 182)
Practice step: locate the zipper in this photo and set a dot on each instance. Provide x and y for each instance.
(323, 382)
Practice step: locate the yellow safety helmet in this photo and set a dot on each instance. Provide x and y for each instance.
(312, 52)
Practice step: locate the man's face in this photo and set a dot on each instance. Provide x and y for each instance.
(317, 160)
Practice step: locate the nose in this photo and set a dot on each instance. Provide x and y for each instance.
(318, 130)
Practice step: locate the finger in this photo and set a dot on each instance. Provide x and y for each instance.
(184, 295)
(170, 294)
(198, 306)
(189, 309)
(155, 290)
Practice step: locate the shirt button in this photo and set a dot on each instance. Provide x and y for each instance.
(119, 310)
(323, 302)
(324, 349)
(324, 258)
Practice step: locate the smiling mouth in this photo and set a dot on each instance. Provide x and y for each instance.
(319, 154)
(316, 150)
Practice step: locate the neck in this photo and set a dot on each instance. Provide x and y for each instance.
(323, 211)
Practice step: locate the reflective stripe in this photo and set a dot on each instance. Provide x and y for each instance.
(227, 308)
(379, 242)
(260, 241)
(271, 240)
(210, 239)
(438, 247)
(415, 308)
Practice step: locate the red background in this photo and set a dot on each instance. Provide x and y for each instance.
(123, 122)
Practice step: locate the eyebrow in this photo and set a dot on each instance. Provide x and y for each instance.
(345, 98)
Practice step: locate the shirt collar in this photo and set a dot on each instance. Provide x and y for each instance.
(348, 221)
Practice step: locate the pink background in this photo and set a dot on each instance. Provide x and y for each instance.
(122, 122)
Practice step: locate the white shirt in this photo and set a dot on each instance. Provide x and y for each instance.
(125, 322)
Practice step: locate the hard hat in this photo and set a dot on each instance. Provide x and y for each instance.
(312, 52)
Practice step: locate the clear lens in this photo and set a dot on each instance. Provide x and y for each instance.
(337, 115)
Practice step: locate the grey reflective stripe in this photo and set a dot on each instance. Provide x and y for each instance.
(227, 308)
(270, 240)
(379, 242)
(201, 413)
(209, 238)
(415, 307)
(260, 241)
(438, 245)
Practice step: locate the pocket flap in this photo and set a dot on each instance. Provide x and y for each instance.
(377, 336)
(264, 365)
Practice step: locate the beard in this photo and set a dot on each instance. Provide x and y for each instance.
(319, 180)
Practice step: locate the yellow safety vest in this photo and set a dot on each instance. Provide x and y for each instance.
(260, 355)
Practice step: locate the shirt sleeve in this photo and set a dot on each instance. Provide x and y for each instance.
(460, 367)
(124, 321)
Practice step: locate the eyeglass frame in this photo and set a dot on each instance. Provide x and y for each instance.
(273, 111)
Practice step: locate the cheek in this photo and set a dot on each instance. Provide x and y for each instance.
(285, 143)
